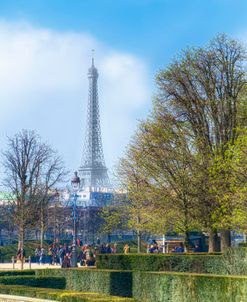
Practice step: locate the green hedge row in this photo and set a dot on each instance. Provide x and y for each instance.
(59, 295)
(243, 244)
(48, 282)
(162, 262)
(157, 286)
(178, 287)
(17, 273)
(232, 262)
(109, 282)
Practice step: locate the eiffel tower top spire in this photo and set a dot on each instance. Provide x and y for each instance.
(93, 171)
(92, 57)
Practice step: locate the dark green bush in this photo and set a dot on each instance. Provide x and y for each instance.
(162, 262)
(92, 280)
(17, 273)
(243, 244)
(178, 287)
(59, 295)
(48, 282)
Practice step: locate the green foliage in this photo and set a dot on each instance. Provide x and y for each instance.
(48, 282)
(150, 286)
(235, 261)
(115, 215)
(172, 169)
(177, 287)
(60, 295)
(228, 184)
(133, 246)
(17, 273)
(232, 262)
(243, 244)
(151, 262)
(93, 280)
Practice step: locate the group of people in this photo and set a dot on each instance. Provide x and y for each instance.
(61, 254)
(178, 248)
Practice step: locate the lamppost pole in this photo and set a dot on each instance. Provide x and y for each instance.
(55, 201)
(75, 182)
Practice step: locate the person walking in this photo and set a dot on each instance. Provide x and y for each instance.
(42, 256)
(126, 249)
(61, 254)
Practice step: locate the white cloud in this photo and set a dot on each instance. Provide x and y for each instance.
(43, 86)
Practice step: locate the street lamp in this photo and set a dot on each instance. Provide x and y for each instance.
(75, 183)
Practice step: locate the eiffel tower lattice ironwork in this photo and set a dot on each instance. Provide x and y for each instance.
(93, 171)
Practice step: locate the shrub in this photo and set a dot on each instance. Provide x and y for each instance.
(17, 273)
(92, 280)
(146, 286)
(54, 282)
(178, 287)
(60, 295)
(162, 262)
(242, 244)
(235, 261)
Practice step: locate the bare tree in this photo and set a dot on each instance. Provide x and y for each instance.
(32, 169)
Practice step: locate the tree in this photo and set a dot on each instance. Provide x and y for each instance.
(171, 169)
(228, 180)
(115, 215)
(159, 171)
(32, 168)
(133, 209)
(205, 89)
(53, 173)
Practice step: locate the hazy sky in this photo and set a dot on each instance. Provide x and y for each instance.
(45, 51)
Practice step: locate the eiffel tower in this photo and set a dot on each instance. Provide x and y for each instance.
(93, 171)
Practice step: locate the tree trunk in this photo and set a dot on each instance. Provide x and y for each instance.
(214, 244)
(41, 234)
(138, 242)
(42, 226)
(225, 240)
(186, 242)
(21, 244)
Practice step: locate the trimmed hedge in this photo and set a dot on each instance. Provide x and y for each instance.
(157, 286)
(48, 282)
(109, 282)
(59, 295)
(194, 263)
(17, 273)
(242, 244)
(178, 287)
(235, 261)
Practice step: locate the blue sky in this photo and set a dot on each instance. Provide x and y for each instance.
(154, 29)
(45, 52)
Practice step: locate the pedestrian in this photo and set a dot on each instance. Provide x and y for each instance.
(126, 249)
(66, 261)
(61, 254)
(42, 256)
(114, 249)
(21, 255)
(49, 255)
(37, 254)
(108, 249)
